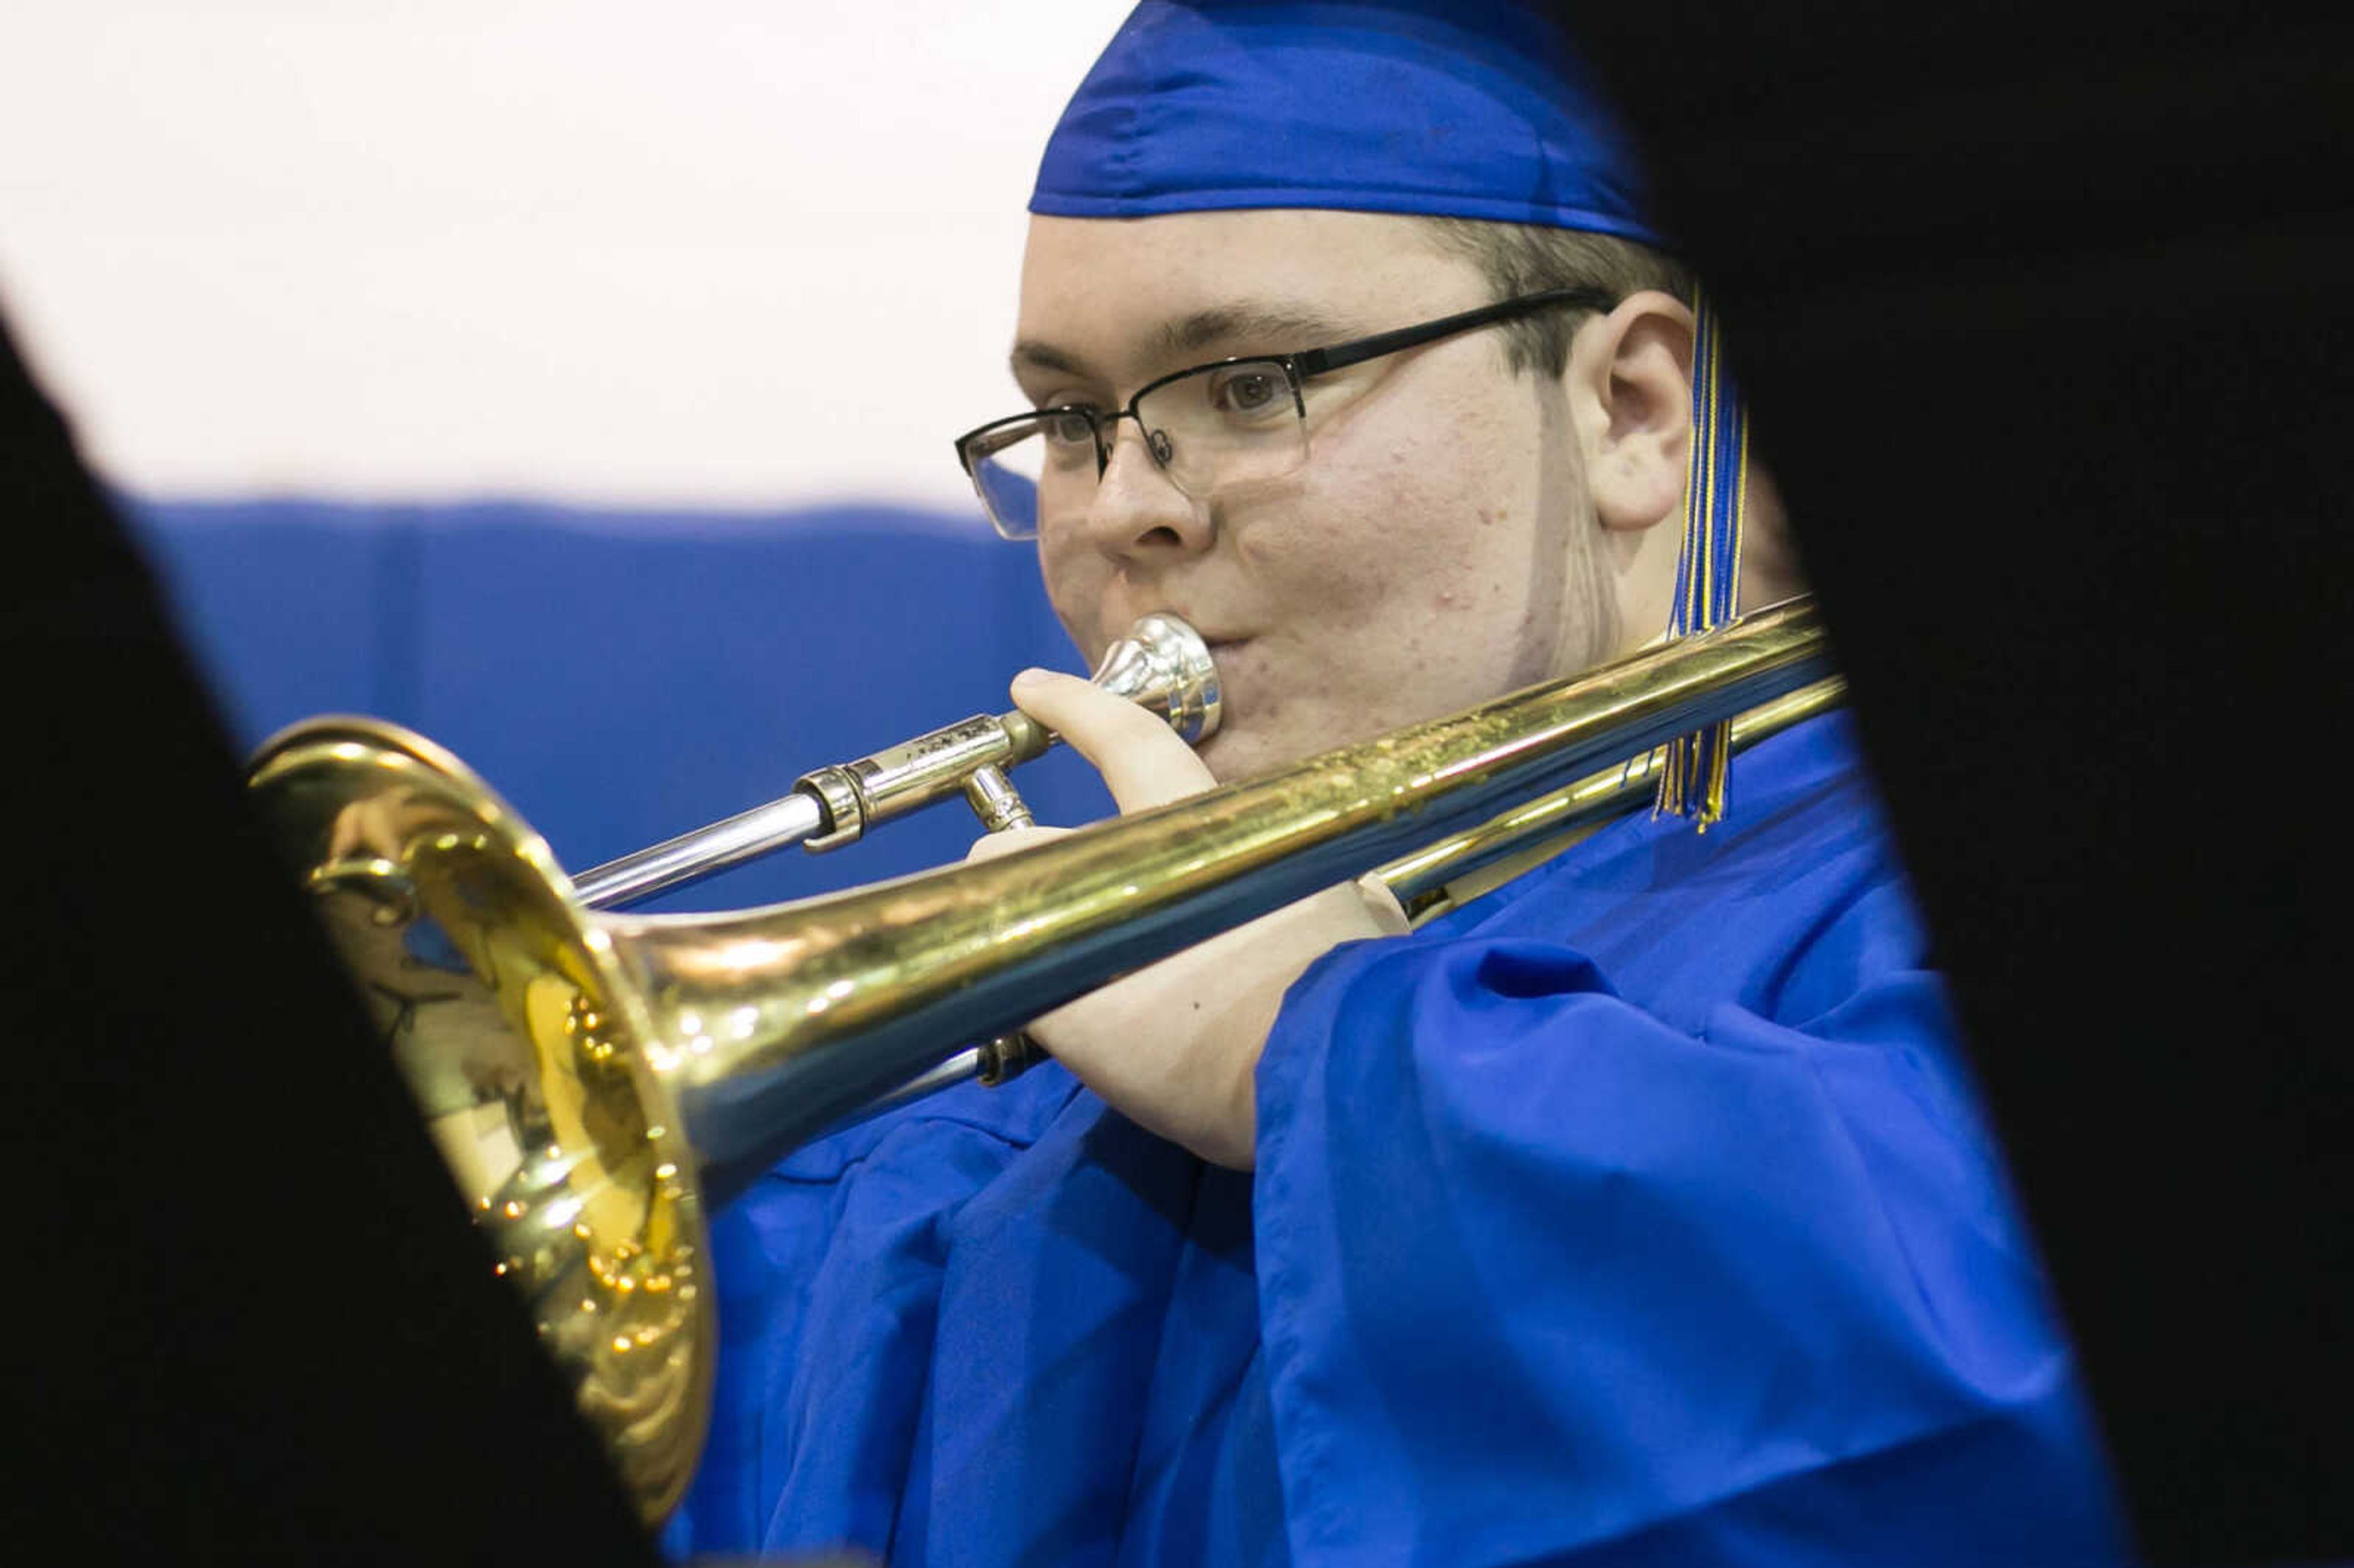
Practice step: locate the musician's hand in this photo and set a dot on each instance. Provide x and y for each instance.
(1176, 1047)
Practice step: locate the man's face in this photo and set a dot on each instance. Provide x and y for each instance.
(1435, 549)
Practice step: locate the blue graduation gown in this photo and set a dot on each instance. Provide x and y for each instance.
(1637, 1212)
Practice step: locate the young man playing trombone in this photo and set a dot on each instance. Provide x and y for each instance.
(1636, 1210)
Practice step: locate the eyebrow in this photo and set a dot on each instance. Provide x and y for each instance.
(1270, 327)
(1260, 325)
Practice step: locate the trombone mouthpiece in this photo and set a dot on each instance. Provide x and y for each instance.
(1163, 664)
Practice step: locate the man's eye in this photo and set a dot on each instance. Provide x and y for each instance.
(1251, 390)
(1064, 430)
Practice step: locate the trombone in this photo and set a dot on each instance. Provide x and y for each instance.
(596, 1078)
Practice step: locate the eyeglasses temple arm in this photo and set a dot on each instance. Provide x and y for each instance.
(1317, 361)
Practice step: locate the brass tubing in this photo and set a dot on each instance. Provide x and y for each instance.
(1416, 877)
(1161, 664)
(1597, 795)
(837, 1000)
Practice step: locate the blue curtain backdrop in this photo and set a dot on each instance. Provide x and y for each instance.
(621, 676)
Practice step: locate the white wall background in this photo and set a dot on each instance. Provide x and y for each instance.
(713, 252)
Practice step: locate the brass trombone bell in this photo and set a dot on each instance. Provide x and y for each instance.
(596, 1078)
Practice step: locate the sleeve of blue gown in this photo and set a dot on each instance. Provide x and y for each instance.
(1544, 1279)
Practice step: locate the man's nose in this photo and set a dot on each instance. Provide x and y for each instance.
(1138, 507)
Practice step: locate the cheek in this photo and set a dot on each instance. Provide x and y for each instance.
(1318, 560)
(1426, 538)
(1400, 603)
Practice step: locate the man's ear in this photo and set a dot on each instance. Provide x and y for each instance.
(1629, 386)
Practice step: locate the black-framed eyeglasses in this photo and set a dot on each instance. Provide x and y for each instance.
(1228, 423)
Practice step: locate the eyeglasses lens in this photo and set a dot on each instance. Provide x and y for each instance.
(1220, 428)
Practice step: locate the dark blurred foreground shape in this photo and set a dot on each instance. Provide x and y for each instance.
(2044, 313)
(252, 1324)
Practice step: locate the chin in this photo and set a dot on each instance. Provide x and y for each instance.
(1219, 755)
(1233, 758)
(1236, 755)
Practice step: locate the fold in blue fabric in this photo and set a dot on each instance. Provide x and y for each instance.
(1640, 1212)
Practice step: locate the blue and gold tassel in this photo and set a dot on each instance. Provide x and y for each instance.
(1708, 577)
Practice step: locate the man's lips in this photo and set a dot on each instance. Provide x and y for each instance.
(1223, 650)
(1230, 657)
(1213, 639)
(1223, 643)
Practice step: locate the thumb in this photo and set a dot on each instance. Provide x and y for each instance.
(1142, 761)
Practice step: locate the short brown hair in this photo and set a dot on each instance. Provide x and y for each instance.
(1521, 259)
